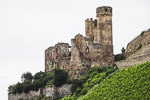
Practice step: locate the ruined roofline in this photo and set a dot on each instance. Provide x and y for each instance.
(58, 44)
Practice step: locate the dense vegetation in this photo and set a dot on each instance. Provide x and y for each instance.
(127, 84)
(93, 77)
(29, 82)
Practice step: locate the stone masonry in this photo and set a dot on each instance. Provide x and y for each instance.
(51, 92)
(93, 50)
(134, 56)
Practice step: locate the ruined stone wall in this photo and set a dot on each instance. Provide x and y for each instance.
(139, 40)
(52, 92)
(86, 54)
(57, 56)
(90, 28)
(140, 56)
(93, 50)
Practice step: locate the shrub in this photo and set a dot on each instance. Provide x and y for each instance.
(39, 75)
(60, 77)
(27, 86)
(139, 47)
(142, 33)
(27, 76)
(18, 88)
(123, 50)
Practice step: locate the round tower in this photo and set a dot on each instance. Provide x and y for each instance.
(104, 25)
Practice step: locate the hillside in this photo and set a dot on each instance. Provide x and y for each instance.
(130, 83)
(138, 50)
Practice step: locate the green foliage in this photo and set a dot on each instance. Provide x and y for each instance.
(128, 84)
(60, 77)
(39, 75)
(142, 33)
(10, 89)
(139, 47)
(94, 76)
(39, 80)
(27, 86)
(123, 50)
(43, 97)
(69, 98)
(27, 76)
(18, 88)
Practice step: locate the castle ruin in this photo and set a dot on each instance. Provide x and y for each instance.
(93, 50)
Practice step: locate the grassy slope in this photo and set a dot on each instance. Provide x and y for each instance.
(132, 83)
(93, 77)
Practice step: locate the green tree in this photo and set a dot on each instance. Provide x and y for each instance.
(10, 89)
(18, 88)
(27, 86)
(27, 76)
(36, 85)
(123, 50)
(60, 77)
(39, 75)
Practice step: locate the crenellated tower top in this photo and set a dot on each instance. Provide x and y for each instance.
(104, 11)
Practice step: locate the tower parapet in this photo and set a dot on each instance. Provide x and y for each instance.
(90, 27)
(104, 11)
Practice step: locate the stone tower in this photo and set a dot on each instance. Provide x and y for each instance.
(93, 50)
(104, 25)
(100, 30)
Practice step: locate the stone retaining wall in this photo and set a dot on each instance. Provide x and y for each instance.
(52, 92)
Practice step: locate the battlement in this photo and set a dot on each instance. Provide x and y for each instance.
(104, 11)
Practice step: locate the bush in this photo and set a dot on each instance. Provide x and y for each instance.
(142, 33)
(27, 76)
(18, 88)
(60, 77)
(123, 50)
(40, 80)
(39, 75)
(27, 86)
(139, 47)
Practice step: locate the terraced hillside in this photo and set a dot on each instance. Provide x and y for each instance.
(131, 83)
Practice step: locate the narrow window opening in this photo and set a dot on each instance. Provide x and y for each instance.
(56, 50)
(106, 10)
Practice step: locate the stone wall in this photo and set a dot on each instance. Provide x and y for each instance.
(86, 54)
(93, 50)
(52, 92)
(57, 56)
(118, 57)
(140, 56)
(142, 39)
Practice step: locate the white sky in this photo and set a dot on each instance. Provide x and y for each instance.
(28, 27)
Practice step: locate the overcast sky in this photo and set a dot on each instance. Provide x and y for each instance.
(28, 27)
